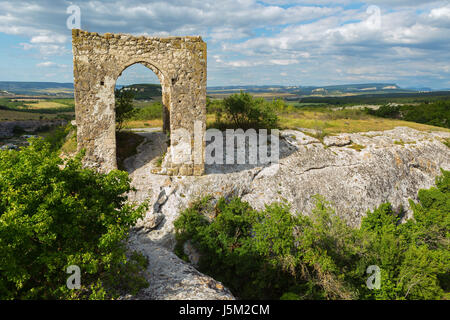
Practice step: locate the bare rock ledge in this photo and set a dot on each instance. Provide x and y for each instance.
(389, 166)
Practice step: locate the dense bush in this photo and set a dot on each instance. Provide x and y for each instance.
(244, 111)
(385, 111)
(53, 217)
(287, 256)
(414, 256)
(379, 98)
(436, 113)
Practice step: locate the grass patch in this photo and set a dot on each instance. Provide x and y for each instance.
(11, 115)
(133, 124)
(319, 134)
(146, 111)
(70, 145)
(446, 142)
(357, 147)
(313, 120)
(45, 104)
(159, 160)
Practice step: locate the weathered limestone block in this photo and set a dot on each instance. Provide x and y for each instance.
(337, 141)
(179, 63)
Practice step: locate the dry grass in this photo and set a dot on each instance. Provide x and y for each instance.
(19, 115)
(143, 124)
(323, 121)
(357, 147)
(70, 145)
(42, 104)
(318, 121)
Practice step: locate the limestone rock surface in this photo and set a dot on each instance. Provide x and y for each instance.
(389, 166)
(170, 278)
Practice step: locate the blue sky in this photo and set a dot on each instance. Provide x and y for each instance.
(297, 42)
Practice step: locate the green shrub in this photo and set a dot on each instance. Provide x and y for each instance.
(281, 255)
(413, 256)
(58, 135)
(274, 251)
(385, 111)
(436, 113)
(52, 217)
(149, 112)
(123, 106)
(244, 111)
(282, 107)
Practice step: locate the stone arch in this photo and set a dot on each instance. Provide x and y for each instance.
(165, 88)
(179, 63)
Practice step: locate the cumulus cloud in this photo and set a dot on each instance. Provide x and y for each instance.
(49, 38)
(46, 64)
(50, 64)
(319, 39)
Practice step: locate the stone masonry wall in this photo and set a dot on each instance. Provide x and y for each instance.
(179, 63)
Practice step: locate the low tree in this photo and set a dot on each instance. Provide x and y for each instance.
(244, 111)
(123, 107)
(52, 218)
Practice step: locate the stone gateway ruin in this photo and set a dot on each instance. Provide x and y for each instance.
(179, 63)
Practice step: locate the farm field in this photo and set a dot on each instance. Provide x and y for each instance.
(323, 115)
(43, 104)
(319, 121)
(35, 108)
(9, 115)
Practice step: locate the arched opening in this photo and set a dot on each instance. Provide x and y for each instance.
(142, 103)
(179, 63)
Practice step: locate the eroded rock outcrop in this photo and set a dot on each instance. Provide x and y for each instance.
(170, 278)
(355, 172)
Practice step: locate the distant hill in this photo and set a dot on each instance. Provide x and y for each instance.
(36, 88)
(144, 91)
(153, 91)
(335, 90)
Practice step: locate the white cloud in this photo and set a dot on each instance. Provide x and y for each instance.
(320, 39)
(253, 63)
(26, 46)
(49, 39)
(46, 64)
(50, 64)
(283, 62)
